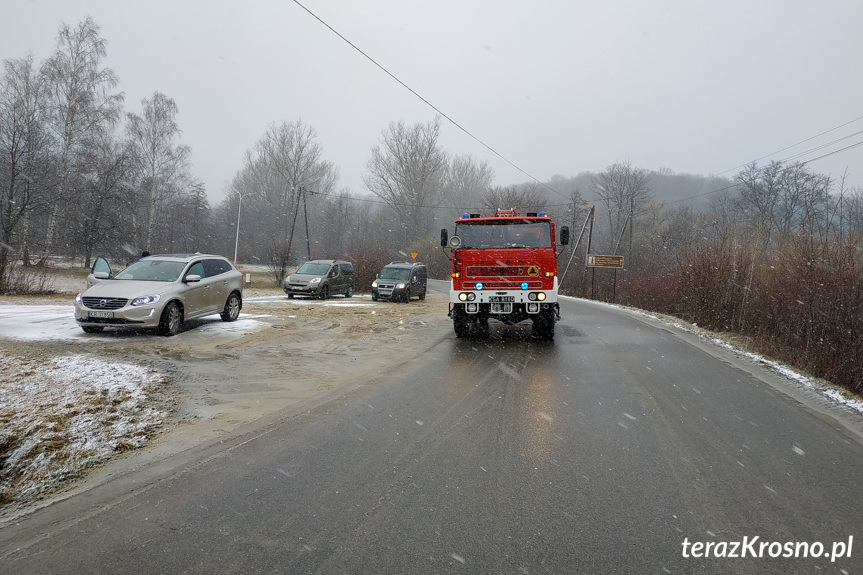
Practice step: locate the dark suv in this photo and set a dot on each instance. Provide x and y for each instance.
(400, 281)
(321, 278)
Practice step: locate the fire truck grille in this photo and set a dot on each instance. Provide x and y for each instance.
(493, 285)
(497, 271)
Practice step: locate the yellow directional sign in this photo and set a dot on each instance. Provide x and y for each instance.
(596, 261)
(414, 255)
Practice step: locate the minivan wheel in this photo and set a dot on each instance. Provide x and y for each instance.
(423, 295)
(232, 308)
(171, 320)
(324, 292)
(350, 291)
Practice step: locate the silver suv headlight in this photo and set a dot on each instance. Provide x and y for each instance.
(145, 300)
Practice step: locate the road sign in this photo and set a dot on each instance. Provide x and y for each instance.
(595, 261)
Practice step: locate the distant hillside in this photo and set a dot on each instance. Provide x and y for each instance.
(667, 188)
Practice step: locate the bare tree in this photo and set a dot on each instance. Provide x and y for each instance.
(82, 103)
(528, 198)
(624, 192)
(162, 165)
(99, 215)
(408, 171)
(467, 180)
(284, 175)
(24, 147)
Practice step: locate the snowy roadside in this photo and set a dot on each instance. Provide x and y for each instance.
(66, 406)
(61, 416)
(829, 393)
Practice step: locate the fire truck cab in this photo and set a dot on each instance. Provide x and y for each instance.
(504, 267)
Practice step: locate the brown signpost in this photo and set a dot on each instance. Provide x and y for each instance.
(596, 261)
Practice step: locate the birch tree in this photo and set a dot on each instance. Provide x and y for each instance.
(81, 103)
(162, 165)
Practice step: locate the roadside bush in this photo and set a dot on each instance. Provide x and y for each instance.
(801, 302)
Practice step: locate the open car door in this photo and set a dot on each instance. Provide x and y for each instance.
(100, 271)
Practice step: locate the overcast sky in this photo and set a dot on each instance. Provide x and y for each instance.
(553, 87)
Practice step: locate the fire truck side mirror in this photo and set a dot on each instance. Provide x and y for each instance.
(564, 235)
(444, 238)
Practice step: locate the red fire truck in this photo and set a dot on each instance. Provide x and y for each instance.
(504, 267)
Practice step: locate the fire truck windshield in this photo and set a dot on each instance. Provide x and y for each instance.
(513, 233)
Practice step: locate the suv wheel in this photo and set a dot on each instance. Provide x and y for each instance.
(350, 291)
(172, 319)
(324, 292)
(232, 308)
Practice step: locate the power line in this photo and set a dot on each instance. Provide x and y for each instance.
(429, 104)
(797, 144)
(543, 184)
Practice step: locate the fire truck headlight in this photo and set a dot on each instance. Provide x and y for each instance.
(531, 296)
(462, 296)
(523, 285)
(540, 296)
(479, 285)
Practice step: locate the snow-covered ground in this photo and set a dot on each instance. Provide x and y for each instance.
(69, 413)
(62, 411)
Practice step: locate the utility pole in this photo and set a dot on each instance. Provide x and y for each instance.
(306, 217)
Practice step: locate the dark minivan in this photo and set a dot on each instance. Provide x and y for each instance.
(321, 278)
(399, 281)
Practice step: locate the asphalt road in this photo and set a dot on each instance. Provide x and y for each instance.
(605, 451)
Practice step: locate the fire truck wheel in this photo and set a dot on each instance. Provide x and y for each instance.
(461, 326)
(543, 327)
(482, 328)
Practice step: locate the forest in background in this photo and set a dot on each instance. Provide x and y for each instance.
(771, 254)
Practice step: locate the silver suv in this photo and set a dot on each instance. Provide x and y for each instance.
(321, 278)
(160, 292)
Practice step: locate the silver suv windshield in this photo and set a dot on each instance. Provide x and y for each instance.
(152, 270)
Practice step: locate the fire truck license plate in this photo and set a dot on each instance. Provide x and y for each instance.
(501, 298)
(501, 308)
